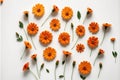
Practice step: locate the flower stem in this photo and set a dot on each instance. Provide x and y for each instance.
(90, 52)
(25, 33)
(37, 69)
(72, 35)
(103, 38)
(45, 20)
(65, 25)
(32, 42)
(23, 54)
(72, 73)
(64, 69)
(113, 46)
(40, 74)
(55, 73)
(33, 74)
(99, 73)
(75, 43)
(84, 18)
(115, 60)
(94, 61)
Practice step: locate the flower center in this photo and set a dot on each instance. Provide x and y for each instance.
(38, 10)
(67, 14)
(49, 54)
(84, 68)
(55, 25)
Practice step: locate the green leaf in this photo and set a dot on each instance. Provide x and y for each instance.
(61, 76)
(72, 26)
(47, 71)
(20, 38)
(82, 77)
(78, 15)
(63, 62)
(42, 66)
(20, 24)
(115, 54)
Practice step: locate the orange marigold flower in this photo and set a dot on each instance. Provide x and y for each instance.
(66, 53)
(93, 27)
(106, 26)
(45, 37)
(55, 9)
(89, 11)
(67, 13)
(38, 10)
(84, 68)
(27, 45)
(112, 39)
(49, 53)
(101, 52)
(32, 28)
(26, 66)
(34, 57)
(1, 1)
(80, 47)
(80, 30)
(26, 13)
(55, 24)
(93, 42)
(64, 38)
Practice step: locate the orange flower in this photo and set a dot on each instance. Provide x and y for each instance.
(66, 53)
(106, 26)
(26, 13)
(55, 24)
(45, 37)
(32, 28)
(34, 57)
(93, 42)
(80, 47)
(1, 1)
(49, 53)
(112, 39)
(55, 9)
(93, 27)
(84, 68)
(101, 52)
(38, 10)
(27, 45)
(89, 11)
(64, 38)
(26, 66)
(67, 13)
(80, 30)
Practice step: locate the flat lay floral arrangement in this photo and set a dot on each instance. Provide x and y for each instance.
(65, 39)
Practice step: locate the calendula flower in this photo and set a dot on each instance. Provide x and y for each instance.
(55, 24)
(49, 54)
(64, 38)
(100, 53)
(1, 1)
(38, 10)
(88, 14)
(45, 37)
(56, 65)
(113, 40)
(106, 27)
(92, 43)
(66, 53)
(100, 66)
(93, 27)
(26, 14)
(73, 66)
(66, 14)
(54, 11)
(80, 31)
(80, 47)
(84, 68)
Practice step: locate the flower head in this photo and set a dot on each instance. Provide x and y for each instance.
(93, 27)
(32, 28)
(80, 47)
(45, 37)
(64, 38)
(49, 54)
(26, 66)
(106, 26)
(101, 52)
(93, 42)
(55, 24)
(84, 68)
(34, 57)
(26, 13)
(80, 30)
(55, 9)
(27, 45)
(38, 10)
(67, 13)
(66, 53)
(1, 1)
(112, 39)
(89, 11)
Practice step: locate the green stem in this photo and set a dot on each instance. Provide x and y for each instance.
(55, 73)
(45, 20)
(84, 18)
(115, 59)
(64, 69)
(113, 46)
(40, 74)
(72, 74)
(23, 54)
(99, 73)
(25, 33)
(65, 25)
(34, 75)
(103, 38)
(75, 43)
(94, 61)
(90, 52)
(37, 69)
(72, 35)
(32, 42)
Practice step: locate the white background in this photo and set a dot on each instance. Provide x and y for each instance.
(11, 50)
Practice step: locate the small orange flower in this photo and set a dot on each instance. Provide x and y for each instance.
(1, 1)
(55, 24)
(84, 68)
(55, 9)
(66, 53)
(27, 45)
(89, 11)
(93, 42)
(80, 30)
(32, 28)
(80, 47)
(112, 39)
(106, 26)
(45, 37)
(101, 52)
(49, 54)
(93, 27)
(38, 10)
(64, 38)
(26, 66)
(67, 13)
(26, 13)
(34, 57)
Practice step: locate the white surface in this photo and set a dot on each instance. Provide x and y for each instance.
(104, 11)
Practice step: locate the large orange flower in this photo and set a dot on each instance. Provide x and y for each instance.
(64, 38)
(32, 28)
(93, 27)
(80, 30)
(84, 68)
(66, 53)
(67, 13)
(49, 54)
(93, 42)
(55, 24)
(26, 66)
(45, 37)
(27, 45)
(38, 10)
(80, 47)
